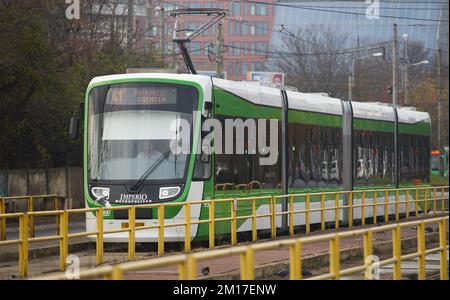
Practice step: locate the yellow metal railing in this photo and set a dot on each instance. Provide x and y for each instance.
(30, 208)
(187, 263)
(439, 195)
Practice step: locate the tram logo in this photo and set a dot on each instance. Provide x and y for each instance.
(133, 198)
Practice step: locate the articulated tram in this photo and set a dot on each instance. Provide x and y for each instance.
(319, 143)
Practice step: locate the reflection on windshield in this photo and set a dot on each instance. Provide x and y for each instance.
(128, 160)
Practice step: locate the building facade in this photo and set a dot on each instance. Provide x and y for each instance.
(247, 33)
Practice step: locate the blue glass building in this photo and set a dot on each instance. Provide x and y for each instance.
(363, 24)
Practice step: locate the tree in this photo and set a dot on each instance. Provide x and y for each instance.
(46, 62)
(314, 67)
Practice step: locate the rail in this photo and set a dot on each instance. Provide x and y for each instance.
(187, 263)
(429, 205)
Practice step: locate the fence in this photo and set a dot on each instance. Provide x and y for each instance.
(30, 200)
(187, 264)
(63, 216)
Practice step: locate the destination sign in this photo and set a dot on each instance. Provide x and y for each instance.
(142, 95)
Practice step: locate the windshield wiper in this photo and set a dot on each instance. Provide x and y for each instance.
(137, 186)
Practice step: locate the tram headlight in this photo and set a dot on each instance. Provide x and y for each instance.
(168, 192)
(101, 196)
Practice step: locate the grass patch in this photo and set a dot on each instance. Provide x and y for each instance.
(437, 180)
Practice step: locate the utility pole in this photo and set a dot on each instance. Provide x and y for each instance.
(394, 68)
(130, 28)
(439, 100)
(350, 87)
(162, 38)
(405, 70)
(219, 45)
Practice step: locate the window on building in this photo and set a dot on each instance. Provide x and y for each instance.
(237, 48)
(261, 28)
(252, 28)
(236, 9)
(252, 9)
(230, 28)
(244, 68)
(261, 9)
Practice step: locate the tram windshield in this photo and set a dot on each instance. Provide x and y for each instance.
(132, 125)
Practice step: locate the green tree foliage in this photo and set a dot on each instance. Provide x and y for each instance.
(46, 62)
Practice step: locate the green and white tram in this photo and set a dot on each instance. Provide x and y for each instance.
(324, 144)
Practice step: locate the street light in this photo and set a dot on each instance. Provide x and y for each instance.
(351, 78)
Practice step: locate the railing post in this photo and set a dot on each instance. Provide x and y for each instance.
(187, 231)
(99, 242)
(335, 257)
(375, 213)
(386, 206)
(307, 209)
(397, 208)
(233, 222)
(2, 220)
(191, 268)
(131, 233)
(64, 240)
(116, 273)
(421, 250)
(368, 251)
(295, 252)
(322, 212)
(443, 249)
(254, 229)
(397, 251)
(56, 207)
(336, 211)
(182, 271)
(350, 210)
(363, 208)
(161, 228)
(273, 224)
(426, 200)
(434, 202)
(407, 204)
(31, 220)
(442, 200)
(23, 246)
(248, 264)
(211, 223)
(291, 215)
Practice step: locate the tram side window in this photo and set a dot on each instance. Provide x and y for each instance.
(239, 170)
(414, 158)
(314, 156)
(372, 157)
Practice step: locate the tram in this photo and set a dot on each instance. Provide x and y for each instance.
(322, 144)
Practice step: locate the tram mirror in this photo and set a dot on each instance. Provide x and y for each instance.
(208, 107)
(74, 128)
